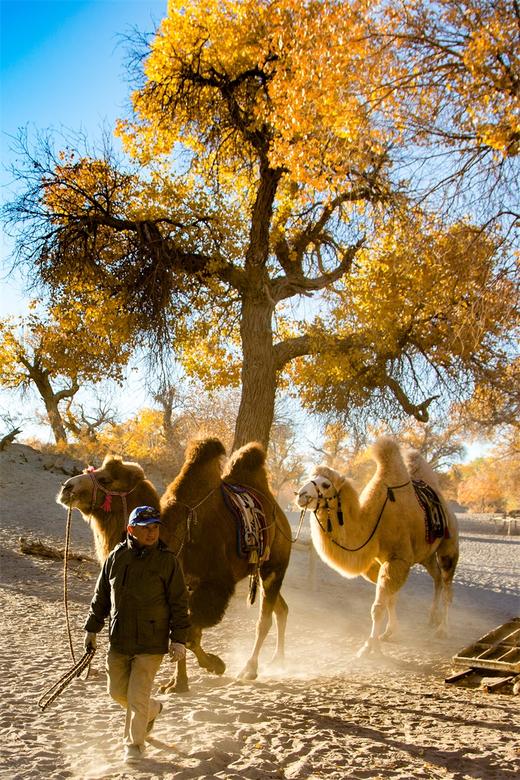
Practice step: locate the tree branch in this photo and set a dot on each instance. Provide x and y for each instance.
(419, 411)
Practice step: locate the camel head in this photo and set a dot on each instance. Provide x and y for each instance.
(323, 486)
(89, 490)
(106, 496)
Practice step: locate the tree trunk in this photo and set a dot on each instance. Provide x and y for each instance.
(55, 418)
(51, 400)
(256, 410)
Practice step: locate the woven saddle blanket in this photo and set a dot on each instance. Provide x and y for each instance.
(250, 521)
(434, 513)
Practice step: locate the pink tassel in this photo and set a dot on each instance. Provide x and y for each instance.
(107, 503)
(89, 469)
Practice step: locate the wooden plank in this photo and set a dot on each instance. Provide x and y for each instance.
(489, 687)
(459, 676)
(499, 649)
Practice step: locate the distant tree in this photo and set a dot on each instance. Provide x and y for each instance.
(441, 444)
(285, 462)
(87, 424)
(481, 487)
(62, 349)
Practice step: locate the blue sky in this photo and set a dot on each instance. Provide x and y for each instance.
(63, 66)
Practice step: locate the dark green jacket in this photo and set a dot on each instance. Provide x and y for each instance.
(143, 591)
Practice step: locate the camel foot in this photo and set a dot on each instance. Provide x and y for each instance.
(371, 647)
(277, 662)
(387, 636)
(249, 672)
(441, 633)
(215, 664)
(175, 687)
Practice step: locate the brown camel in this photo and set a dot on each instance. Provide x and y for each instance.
(200, 526)
(106, 496)
(382, 533)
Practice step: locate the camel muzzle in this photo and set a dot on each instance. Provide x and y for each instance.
(304, 499)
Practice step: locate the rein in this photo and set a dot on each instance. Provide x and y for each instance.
(389, 497)
(191, 518)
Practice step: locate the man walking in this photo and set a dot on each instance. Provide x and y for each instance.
(141, 587)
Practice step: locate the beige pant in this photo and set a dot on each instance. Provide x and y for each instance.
(130, 680)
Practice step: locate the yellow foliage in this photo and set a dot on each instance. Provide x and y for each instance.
(83, 342)
(288, 83)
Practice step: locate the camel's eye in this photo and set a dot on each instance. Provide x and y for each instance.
(325, 485)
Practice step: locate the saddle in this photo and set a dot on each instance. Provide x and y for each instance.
(434, 513)
(250, 520)
(251, 528)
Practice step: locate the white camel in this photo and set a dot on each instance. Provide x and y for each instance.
(382, 533)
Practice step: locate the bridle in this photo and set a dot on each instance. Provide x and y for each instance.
(106, 506)
(321, 497)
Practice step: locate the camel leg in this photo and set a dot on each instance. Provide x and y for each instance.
(392, 622)
(271, 601)
(179, 681)
(391, 578)
(207, 661)
(281, 610)
(432, 567)
(447, 557)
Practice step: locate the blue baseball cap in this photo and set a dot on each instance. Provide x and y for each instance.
(144, 515)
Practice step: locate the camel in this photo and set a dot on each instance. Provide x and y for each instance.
(200, 527)
(382, 533)
(106, 496)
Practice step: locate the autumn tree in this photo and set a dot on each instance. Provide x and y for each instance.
(61, 349)
(269, 169)
(452, 85)
(480, 486)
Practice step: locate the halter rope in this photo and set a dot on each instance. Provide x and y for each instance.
(191, 517)
(65, 571)
(389, 497)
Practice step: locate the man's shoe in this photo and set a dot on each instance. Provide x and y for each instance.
(151, 723)
(132, 754)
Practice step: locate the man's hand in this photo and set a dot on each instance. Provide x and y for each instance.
(177, 652)
(89, 643)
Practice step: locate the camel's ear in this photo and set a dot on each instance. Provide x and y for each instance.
(338, 481)
(124, 470)
(108, 459)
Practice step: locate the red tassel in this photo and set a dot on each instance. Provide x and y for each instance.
(107, 503)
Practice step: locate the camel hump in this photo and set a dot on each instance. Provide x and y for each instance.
(419, 468)
(204, 450)
(387, 453)
(250, 457)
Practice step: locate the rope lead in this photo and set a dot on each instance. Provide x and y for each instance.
(54, 691)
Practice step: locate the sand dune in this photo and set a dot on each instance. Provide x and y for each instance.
(325, 715)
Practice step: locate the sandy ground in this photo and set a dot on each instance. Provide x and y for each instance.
(326, 715)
